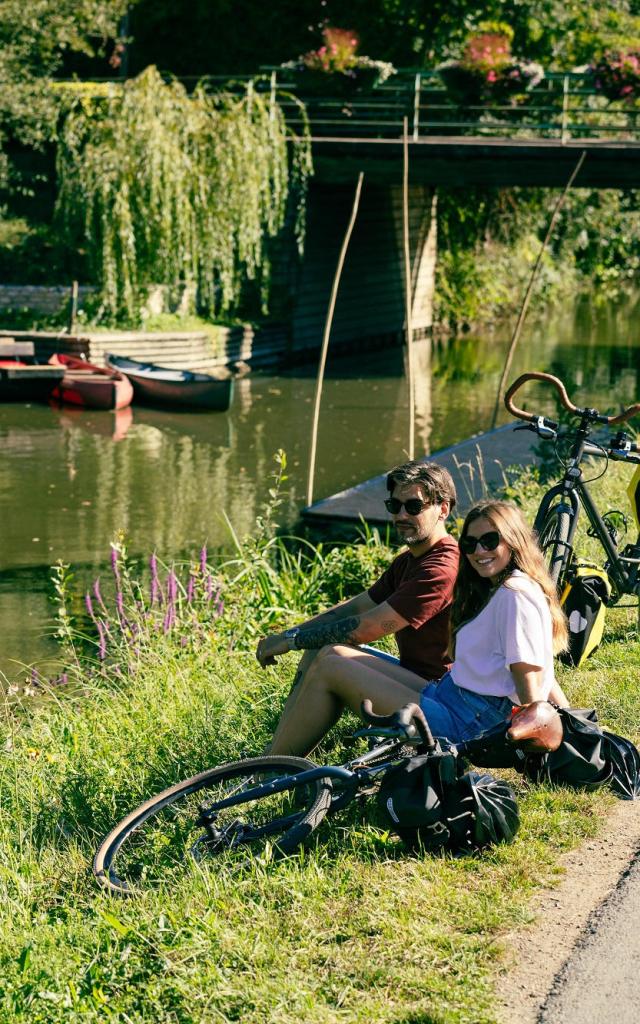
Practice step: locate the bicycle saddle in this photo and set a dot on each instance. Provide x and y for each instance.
(536, 728)
(409, 719)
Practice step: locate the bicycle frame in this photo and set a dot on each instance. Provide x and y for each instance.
(623, 569)
(573, 489)
(360, 773)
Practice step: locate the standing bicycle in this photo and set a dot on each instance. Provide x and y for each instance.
(557, 517)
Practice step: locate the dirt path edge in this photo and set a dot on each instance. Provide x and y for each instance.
(537, 953)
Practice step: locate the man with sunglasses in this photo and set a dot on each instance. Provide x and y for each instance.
(411, 600)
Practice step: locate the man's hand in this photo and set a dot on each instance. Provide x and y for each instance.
(271, 647)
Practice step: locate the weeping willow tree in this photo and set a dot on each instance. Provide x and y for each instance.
(165, 187)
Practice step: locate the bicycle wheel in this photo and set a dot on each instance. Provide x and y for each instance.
(151, 842)
(553, 538)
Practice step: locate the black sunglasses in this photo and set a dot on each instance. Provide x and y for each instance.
(489, 541)
(413, 506)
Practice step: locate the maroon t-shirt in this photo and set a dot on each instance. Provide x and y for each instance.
(421, 590)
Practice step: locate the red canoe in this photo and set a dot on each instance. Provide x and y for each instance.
(91, 386)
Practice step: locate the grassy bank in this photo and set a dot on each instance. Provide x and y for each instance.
(353, 929)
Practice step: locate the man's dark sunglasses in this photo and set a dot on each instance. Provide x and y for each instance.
(413, 506)
(489, 541)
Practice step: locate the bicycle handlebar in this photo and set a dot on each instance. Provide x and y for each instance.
(622, 417)
(409, 718)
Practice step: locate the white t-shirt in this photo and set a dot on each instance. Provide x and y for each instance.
(514, 626)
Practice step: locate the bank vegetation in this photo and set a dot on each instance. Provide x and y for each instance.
(159, 681)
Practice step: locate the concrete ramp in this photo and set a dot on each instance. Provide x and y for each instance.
(479, 466)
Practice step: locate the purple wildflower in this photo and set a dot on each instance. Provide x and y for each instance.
(120, 607)
(169, 619)
(219, 607)
(89, 606)
(156, 589)
(98, 595)
(114, 563)
(208, 587)
(203, 559)
(172, 587)
(183, 641)
(102, 641)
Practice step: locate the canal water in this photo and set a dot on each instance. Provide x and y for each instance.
(70, 479)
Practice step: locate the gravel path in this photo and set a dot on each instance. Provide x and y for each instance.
(600, 980)
(547, 959)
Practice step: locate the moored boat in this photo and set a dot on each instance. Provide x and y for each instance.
(160, 385)
(92, 387)
(20, 382)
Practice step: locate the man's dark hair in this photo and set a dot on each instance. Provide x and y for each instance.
(435, 480)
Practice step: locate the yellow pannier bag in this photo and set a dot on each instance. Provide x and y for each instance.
(584, 601)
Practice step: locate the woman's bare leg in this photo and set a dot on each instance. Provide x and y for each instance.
(340, 677)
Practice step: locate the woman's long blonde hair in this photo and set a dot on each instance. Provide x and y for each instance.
(472, 591)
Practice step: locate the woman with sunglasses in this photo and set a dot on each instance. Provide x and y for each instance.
(506, 626)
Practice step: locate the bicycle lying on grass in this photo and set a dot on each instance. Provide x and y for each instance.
(267, 806)
(557, 517)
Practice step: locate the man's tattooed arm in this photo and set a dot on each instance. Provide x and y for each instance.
(311, 638)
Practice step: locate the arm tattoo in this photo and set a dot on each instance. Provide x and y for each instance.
(322, 633)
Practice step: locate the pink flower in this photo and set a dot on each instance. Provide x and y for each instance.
(491, 76)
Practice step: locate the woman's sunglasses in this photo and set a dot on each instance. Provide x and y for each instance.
(489, 541)
(413, 506)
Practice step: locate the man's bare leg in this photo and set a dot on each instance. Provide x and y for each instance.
(340, 677)
(307, 659)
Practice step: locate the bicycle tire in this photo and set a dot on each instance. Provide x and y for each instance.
(553, 540)
(150, 854)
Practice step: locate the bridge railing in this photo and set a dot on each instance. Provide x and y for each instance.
(563, 106)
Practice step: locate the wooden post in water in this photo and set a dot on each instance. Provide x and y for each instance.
(325, 337)
(73, 307)
(407, 286)
(534, 273)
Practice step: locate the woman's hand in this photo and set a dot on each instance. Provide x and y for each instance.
(528, 681)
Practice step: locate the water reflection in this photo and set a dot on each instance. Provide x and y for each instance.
(70, 479)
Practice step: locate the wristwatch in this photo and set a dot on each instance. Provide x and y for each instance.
(291, 634)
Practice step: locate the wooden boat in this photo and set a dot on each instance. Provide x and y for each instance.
(20, 382)
(89, 386)
(159, 385)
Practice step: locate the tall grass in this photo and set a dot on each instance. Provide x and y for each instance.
(352, 929)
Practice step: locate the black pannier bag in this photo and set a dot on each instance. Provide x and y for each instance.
(588, 756)
(430, 802)
(584, 600)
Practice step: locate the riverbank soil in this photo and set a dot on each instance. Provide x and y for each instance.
(541, 957)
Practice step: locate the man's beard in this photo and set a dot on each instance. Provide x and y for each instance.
(416, 536)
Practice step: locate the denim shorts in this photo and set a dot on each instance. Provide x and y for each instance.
(451, 710)
(461, 714)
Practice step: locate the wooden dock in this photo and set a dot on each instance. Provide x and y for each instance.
(478, 465)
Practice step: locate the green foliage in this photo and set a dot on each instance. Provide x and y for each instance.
(281, 942)
(490, 239)
(33, 40)
(171, 188)
(408, 33)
